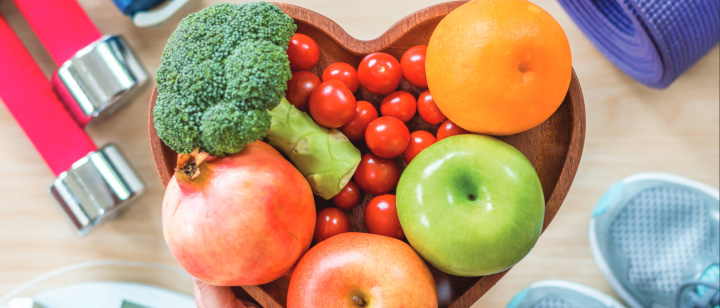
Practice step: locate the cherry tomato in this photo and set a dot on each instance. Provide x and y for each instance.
(379, 73)
(399, 104)
(330, 221)
(365, 113)
(427, 109)
(343, 72)
(332, 105)
(381, 217)
(387, 137)
(376, 175)
(448, 128)
(413, 66)
(349, 197)
(299, 88)
(419, 140)
(303, 52)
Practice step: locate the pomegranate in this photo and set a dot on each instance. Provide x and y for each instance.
(243, 219)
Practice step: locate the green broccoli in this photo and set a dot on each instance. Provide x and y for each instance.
(221, 85)
(221, 71)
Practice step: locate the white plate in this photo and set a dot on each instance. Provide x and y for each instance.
(105, 284)
(112, 295)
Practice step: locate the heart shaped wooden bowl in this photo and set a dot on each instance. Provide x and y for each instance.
(554, 147)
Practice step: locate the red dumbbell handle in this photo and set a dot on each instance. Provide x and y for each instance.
(62, 26)
(29, 96)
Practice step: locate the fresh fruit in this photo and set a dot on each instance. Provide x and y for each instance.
(471, 205)
(381, 217)
(243, 219)
(330, 222)
(299, 88)
(302, 52)
(429, 112)
(379, 73)
(349, 197)
(448, 128)
(387, 137)
(324, 156)
(343, 72)
(376, 175)
(332, 104)
(399, 104)
(419, 141)
(365, 113)
(498, 67)
(413, 66)
(353, 270)
(241, 99)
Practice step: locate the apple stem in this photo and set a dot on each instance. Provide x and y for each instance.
(359, 301)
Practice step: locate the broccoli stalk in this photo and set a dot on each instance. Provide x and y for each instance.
(324, 156)
(222, 75)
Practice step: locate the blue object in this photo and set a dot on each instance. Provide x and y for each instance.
(517, 299)
(657, 241)
(653, 41)
(130, 7)
(608, 198)
(561, 294)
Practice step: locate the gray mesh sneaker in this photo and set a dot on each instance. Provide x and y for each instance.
(655, 238)
(561, 294)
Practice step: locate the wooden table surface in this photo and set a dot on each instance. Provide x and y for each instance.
(630, 129)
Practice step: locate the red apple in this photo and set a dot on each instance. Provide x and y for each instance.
(356, 270)
(245, 220)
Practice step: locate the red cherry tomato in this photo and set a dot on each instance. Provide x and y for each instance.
(303, 52)
(349, 197)
(330, 221)
(332, 105)
(427, 109)
(413, 66)
(343, 72)
(381, 217)
(387, 137)
(399, 104)
(376, 175)
(379, 73)
(299, 88)
(448, 128)
(419, 140)
(365, 113)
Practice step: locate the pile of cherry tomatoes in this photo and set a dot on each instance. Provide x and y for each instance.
(332, 104)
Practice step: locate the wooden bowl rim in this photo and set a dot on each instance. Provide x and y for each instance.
(360, 47)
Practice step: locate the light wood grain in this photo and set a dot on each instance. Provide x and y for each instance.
(630, 129)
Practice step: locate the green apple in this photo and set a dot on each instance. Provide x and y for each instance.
(471, 205)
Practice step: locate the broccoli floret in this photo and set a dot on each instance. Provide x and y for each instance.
(221, 71)
(256, 66)
(226, 128)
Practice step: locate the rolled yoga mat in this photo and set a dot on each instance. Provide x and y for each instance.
(653, 41)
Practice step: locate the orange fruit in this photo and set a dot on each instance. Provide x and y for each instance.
(498, 67)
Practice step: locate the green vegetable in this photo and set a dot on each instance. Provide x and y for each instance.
(324, 156)
(222, 70)
(221, 83)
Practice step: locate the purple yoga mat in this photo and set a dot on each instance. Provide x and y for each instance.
(653, 41)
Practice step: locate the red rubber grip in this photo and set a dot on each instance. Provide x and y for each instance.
(29, 96)
(61, 25)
